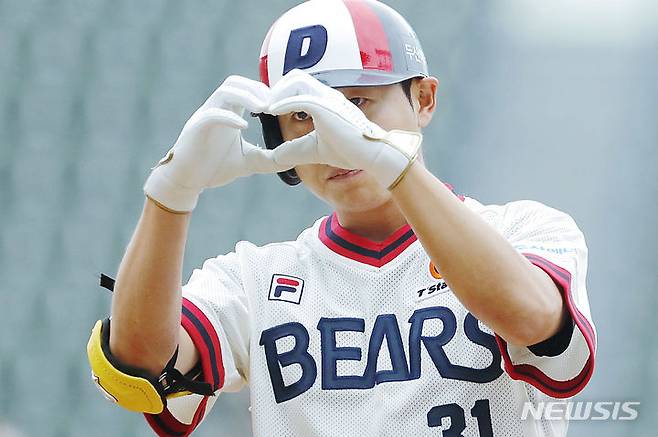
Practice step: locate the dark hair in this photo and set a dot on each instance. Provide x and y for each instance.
(406, 87)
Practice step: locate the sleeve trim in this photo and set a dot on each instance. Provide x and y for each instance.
(166, 425)
(563, 279)
(206, 341)
(531, 374)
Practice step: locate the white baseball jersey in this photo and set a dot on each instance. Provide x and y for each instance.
(337, 335)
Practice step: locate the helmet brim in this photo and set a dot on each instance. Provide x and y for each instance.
(359, 78)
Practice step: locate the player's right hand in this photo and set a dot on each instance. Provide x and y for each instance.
(210, 151)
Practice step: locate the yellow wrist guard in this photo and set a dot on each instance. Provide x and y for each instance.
(134, 388)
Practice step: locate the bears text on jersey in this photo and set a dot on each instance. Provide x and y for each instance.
(385, 328)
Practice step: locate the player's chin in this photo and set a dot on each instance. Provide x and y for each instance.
(359, 191)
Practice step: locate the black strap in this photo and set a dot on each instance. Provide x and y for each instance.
(173, 381)
(107, 282)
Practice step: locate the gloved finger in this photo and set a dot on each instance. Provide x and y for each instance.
(302, 150)
(259, 160)
(298, 83)
(217, 116)
(259, 94)
(255, 87)
(237, 100)
(310, 104)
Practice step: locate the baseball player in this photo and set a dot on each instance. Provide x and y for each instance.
(410, 310)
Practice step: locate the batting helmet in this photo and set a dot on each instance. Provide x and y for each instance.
(341, 43)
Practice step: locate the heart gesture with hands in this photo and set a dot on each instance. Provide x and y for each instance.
(343, 136)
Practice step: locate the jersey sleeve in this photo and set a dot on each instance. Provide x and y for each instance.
(562, 365)
(215, 314)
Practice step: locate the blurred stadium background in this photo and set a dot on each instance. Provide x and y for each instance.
(555, 101)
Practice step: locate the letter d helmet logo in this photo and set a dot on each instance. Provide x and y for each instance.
(306, 47)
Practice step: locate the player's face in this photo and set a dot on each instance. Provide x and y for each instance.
(387, 106)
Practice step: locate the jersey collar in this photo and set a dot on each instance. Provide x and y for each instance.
(361, 249)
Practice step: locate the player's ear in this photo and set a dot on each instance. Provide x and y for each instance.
(424, 93)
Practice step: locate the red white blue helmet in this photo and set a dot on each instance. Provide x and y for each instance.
(341, 43)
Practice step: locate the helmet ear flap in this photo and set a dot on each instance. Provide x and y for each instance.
(273, 139)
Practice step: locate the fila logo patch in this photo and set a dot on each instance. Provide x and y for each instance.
(286, 288)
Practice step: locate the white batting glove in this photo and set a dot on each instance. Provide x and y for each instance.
(210, 151)
(343, 136)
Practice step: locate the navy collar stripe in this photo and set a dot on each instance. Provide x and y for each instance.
(362, 250)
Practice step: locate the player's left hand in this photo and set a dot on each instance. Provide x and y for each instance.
(343, 136)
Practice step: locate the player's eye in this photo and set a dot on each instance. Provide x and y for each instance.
(358, 101)
(301, 116)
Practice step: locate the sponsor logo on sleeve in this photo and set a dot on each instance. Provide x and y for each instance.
(435, 289)
(536, 247)
(434, 271)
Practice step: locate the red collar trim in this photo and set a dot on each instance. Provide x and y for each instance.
(361, 249)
